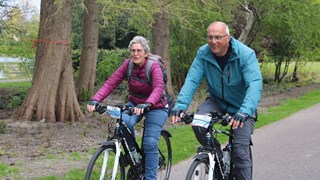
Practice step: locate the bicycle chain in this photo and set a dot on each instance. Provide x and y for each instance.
(218, 161)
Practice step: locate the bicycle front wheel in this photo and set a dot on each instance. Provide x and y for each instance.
(165, 157)
(101, 165)
(198, 170)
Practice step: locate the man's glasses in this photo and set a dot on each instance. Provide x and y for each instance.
(139, 51)
(216, 38)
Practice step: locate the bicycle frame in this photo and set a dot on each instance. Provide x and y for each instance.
(123, 157)
(209, 151)
(229, 134)
(123, 135)
(119, 140)
(210, 155)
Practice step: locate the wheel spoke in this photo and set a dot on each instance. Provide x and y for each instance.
(105, 164)
(198, 170)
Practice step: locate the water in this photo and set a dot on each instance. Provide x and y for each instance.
(15, 68)
(10, 60)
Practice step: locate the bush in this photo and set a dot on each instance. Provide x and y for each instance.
(12, 97)
(3, 126)
(108, 62)
(76, 54)
(16, 101)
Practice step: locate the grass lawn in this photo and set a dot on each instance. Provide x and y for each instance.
(184, 143)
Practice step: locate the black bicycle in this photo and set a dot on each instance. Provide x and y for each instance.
(206, 164)
(114, 160)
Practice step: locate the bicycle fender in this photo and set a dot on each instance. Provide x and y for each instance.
(210, 158)
(106, 143)
(201, 156)
(166, 132)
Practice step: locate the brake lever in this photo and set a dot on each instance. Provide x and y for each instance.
(187, 118)
(226, 119)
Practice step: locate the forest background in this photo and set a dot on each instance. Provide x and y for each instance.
(85, 41)
(75, 45)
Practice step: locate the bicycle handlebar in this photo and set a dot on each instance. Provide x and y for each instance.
(215, 118)
(101, 109)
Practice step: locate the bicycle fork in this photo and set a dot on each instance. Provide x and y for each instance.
(211, 165)
(116, 161)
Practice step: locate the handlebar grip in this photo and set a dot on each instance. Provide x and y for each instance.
(225, 120)
(101, 109)
(187, 118)
(130, 109)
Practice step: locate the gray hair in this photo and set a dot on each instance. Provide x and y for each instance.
(140, 40)
(227, 30)
(219, 22)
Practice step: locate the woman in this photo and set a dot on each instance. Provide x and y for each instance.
(142, 95)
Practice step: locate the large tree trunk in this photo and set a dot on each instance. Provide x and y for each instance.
(88, 60)
(160, 42)
(52, 96)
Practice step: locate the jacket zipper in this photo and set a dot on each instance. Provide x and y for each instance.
(222, 86)
(228, 74)
(222, 82)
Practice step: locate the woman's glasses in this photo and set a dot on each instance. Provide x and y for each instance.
(138, 51)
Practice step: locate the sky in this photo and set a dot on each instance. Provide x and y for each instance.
(37, 3)
(31, 7)
(32, 4)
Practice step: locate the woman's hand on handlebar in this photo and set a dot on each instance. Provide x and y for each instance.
(141, 108)
(176, 114)
(91, 106)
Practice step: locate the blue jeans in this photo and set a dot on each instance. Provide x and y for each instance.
(153, 124)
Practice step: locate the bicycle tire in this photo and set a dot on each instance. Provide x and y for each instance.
(199, 169)
(165, 157)
(95, 166)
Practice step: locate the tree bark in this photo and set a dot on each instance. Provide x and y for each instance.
(52, 96)
(252, 25)
(161, 42)
(88, 60)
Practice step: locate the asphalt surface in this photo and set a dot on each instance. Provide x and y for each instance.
(284, 150)
(14, 80)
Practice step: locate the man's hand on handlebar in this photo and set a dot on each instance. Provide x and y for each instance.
(91, 106)
(176, 114)
(238, 120)
(141, 108)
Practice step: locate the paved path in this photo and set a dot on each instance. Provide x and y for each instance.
(285, 150)
(14, 80)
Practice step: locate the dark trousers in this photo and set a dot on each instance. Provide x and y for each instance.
(241, 144)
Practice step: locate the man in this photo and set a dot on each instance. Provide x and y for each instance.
(234, 80)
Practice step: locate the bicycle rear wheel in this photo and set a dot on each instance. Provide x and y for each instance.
(102, 162)
(198, 170)
(165, 157)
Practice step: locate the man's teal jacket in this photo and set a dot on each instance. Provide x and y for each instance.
(237, 89)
